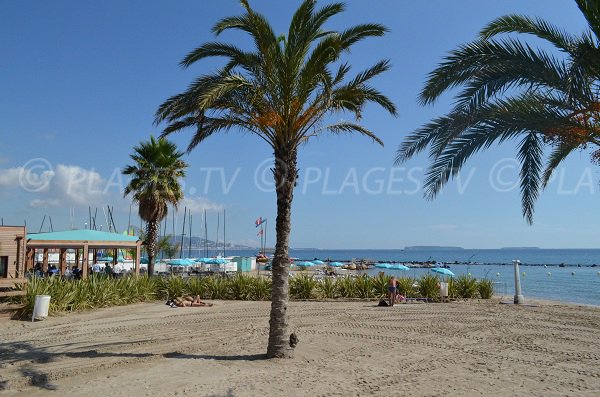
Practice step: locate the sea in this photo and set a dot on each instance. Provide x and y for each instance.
(565, 275)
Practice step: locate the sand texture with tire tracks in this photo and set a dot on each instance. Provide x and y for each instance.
(472, 348)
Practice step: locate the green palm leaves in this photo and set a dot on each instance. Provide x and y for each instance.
(284, 87)
(509, 90)
(155, 184)
(155, 177)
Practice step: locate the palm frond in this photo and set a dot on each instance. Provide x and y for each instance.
(347, 127)
(530, 156)
(591, 11)
(527, 25)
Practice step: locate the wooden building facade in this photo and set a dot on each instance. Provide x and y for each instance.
(12, 251)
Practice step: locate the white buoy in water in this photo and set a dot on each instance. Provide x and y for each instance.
(572, 273)
(598, 273)
(523, 274)
(545, 266)
(549, 273)
(498, 274)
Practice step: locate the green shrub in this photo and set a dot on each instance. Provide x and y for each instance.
(94, 292)
(326, 288)
(363, 285)
(429, 286)
(466, 286)
(345, 286)
(239, 287)
(217, 287)
(380, 284)
(302, 286)
(260, 288)
(405, 286)
(452, 287)
(103, 291)
(172, 286)
(485, 288)
(197, 286)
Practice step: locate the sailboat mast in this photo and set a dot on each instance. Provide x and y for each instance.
(182, 232)
(217, 241)
(42, 225)
(190, 244)
(205, 236)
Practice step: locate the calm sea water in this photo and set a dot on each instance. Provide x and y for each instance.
(577, 282)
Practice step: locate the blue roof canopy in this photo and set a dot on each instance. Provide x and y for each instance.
(82, 235)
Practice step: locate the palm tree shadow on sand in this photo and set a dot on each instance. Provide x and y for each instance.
(239, 357)
(28, 358)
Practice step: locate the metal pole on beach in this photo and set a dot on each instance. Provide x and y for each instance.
(519, 299)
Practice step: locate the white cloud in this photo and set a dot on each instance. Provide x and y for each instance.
(26, 178)
(37, 203)
(197, 205)
(61, 185)
(70, 185)
(78, 186)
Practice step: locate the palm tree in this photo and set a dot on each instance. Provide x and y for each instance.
(510, 90)
(155, 184)
(284, 91)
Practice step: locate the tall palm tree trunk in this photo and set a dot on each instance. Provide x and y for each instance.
(285, 179)
(151, 233)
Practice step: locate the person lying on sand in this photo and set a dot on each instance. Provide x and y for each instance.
(188, 301)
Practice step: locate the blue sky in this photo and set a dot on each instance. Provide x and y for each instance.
(81, 82)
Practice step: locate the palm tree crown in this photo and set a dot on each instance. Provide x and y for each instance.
(155, 177)
(155, 184)
(509, 90)
(284, 91)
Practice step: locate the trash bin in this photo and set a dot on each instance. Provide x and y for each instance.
(40, 307)
(443, 290)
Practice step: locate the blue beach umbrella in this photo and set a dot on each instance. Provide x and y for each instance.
(180, 262)
(383, 265)
(398, 266)
(305, 264)
(318, 262)
(443, 271)
(336, 264)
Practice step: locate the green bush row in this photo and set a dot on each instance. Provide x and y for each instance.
(102, 291)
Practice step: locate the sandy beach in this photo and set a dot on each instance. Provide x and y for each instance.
(346, 349)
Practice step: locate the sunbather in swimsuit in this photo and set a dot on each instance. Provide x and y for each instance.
(188, 301)
(392, 285)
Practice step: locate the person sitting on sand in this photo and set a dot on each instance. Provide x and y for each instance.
(392, 285)
(188, 301)
(399, 297)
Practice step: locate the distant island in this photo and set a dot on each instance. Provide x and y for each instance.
(520, 248)
(432, 248)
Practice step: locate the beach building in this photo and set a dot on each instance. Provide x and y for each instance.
(85, 242)
(12, 251)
